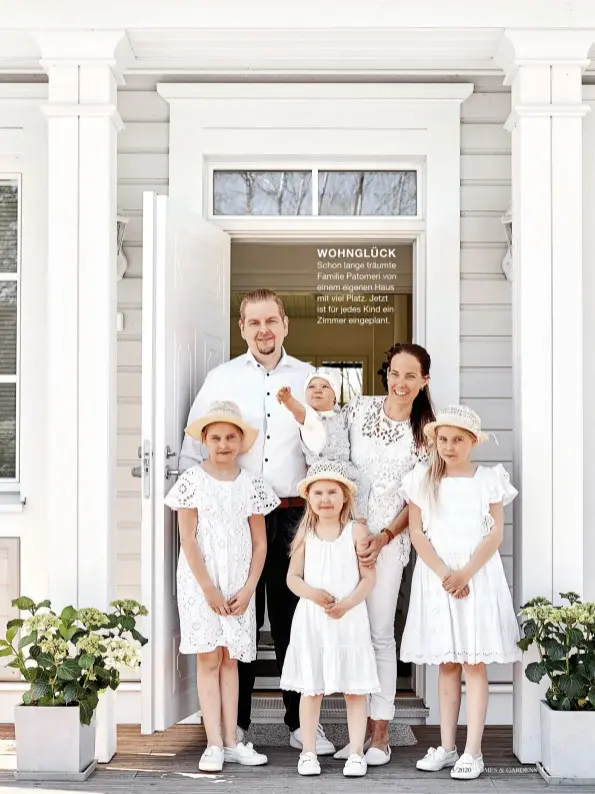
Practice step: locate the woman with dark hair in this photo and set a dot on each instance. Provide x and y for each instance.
(387, 440)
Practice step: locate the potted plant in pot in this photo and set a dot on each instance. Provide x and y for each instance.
(565, 640)
(69, 660)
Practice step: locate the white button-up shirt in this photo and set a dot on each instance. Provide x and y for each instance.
(277, 453)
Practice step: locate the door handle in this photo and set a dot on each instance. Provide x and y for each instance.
(136, 471)
(169, 472)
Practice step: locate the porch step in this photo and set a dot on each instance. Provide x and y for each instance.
(269, 709)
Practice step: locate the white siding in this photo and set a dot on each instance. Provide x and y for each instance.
(486, 324)
(486, 296)
(142, 165)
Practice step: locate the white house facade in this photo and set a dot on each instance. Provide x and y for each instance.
(119, 121)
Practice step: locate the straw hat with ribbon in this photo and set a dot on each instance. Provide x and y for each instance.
(457, 416)
(224, 411)
(325, 470)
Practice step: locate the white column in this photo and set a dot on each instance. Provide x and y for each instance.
(83, 123)
(544, 70)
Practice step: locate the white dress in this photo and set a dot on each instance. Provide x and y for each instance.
(327, 655)
(481, 627)
(225, 541)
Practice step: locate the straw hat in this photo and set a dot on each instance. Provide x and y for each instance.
(457, 416)
(332, 376)
(325, 470)
(224, 411)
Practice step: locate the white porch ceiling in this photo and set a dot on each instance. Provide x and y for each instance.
(287, 52)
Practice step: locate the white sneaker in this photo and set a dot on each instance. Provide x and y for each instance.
(377, 757)
(355, 766)
(467, 767)
(240, 734)
(308, 764)
(437, 758)
(323, 746)
(343, 754)
(244, 754)
(212, 759)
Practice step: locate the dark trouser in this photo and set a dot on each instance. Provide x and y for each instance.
(280, 524)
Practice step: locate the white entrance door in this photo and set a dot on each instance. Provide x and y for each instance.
(185, 333)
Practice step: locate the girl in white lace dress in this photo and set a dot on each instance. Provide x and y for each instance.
(330, 649)
(461, 615)
(221, 511)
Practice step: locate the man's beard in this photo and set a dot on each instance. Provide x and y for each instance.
(266, 348)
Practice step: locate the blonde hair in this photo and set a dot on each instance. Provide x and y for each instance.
(308, 523)
(437, 468)
(261, 296)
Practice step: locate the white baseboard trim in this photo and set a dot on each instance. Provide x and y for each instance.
(128, 704)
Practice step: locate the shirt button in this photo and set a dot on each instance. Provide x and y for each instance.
(268, 438)
(266, 460)
(268, 394)
(268, 415)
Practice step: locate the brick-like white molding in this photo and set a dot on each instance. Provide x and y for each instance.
(544, 70)
(83, 123)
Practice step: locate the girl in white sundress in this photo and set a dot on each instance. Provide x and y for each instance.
(221, 511)
(461, 615)
(330, 649)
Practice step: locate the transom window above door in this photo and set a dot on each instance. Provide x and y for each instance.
(311, 192)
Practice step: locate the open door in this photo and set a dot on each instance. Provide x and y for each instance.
(185, 333)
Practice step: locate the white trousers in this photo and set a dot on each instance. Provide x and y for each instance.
(382, 608)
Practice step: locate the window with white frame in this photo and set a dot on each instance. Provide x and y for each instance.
(9, 325)
(364, 193)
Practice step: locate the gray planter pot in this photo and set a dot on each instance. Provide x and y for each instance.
(568, 743)
(52, 743)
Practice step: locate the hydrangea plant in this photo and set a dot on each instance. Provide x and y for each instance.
(565, 639)
(71, 658)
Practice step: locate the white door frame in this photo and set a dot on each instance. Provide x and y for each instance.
(353, 126)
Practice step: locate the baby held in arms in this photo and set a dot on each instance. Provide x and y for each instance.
(323, 395)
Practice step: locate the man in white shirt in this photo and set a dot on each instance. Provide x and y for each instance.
(252, 380)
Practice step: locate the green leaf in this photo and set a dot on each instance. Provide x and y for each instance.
(86, 661)
(127, 622)
(66, 632)
(23, 604)
(535, 671)
(86, 711)
(139, 637)
(45, 661)
(68, 616)
(40, 689)
(47, 604)
(6, 652)
(530, 628)
(575, 636)
(69, 670)
(103, 674)
(31, 674)
(590, 666)
(523, 644)
(591, 695)
(72, 692)
(554, 650)
(11, 633)
(30, 639)
(18, 622)
(572, 686)
(27, 699)
(566, 704)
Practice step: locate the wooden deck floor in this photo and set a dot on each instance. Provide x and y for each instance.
(168, 762)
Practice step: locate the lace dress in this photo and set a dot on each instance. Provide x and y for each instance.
(327, 655)
(383, 451)
(225, 541)
(481, 627)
